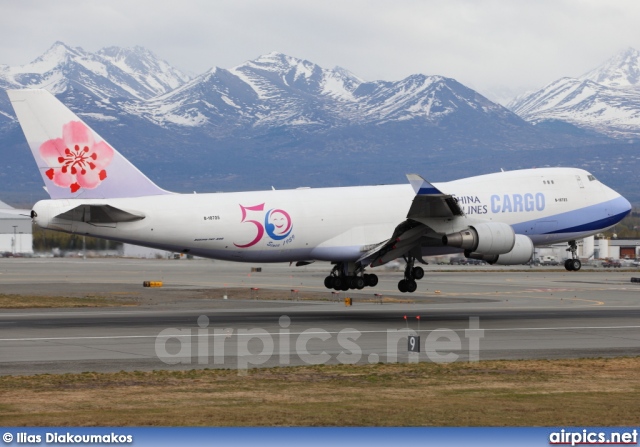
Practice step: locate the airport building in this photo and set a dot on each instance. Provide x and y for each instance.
(618, 248)
(590, 249)
(16, 235)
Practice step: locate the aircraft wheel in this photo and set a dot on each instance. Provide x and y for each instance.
(576, 265)
(411, 286)
(360, 283)
(402, 286)
(372, 281)
(328, 282)
(352, 282)
(338, 282)
(567, 264)
(418, 273)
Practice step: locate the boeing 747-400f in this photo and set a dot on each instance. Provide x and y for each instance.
(497, 217)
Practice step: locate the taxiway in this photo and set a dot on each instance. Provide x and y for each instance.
(466, 313)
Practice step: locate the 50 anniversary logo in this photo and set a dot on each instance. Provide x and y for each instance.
(277, 224)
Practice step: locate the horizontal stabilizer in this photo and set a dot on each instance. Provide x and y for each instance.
(8, 209)
(16, 212)
(99, 214)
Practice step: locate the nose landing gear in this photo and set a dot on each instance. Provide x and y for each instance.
(573, 264)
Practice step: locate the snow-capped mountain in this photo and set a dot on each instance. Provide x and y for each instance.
(277, 90)
(622, 70)
(110, 73)
(302, 124)
(273, 90)
(430, 98)
(88, 82)
(154, 76)
(605, 100)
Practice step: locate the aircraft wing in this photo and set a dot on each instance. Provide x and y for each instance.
(409, 235)
(99, 214)
(405, 237)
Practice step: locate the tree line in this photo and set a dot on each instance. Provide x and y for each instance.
(47, 240)
(627, 228)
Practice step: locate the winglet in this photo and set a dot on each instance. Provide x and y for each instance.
(430, 201)
(74, 161)
(421, 186)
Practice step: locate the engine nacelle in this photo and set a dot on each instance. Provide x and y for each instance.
(485, 239)
(520, 254)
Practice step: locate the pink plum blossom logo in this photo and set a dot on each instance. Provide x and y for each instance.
(277, 224)
(76, 160)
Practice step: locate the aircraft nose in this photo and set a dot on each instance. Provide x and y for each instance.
(621, 208)
(625, 205)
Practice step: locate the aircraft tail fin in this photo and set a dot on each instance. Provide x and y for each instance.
(74, 161)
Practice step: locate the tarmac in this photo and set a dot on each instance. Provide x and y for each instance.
(283, 315)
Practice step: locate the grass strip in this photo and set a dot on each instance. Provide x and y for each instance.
(8, 301)
(580, 392)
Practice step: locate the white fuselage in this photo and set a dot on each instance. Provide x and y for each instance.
(340, 224)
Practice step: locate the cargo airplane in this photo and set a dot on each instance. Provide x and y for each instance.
(498, 217)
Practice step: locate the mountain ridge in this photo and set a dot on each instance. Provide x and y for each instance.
(282, 118)
(605, 100)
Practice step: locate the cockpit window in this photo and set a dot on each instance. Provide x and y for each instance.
(591, 178)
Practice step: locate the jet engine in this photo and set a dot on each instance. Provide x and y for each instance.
(491, 238)
(493, 242)
(520, 253)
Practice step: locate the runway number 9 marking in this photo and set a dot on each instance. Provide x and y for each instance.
(413, 343)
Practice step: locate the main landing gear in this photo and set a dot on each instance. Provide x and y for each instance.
(349, 275)
(411, 275)
(573, 264)
(346, 276)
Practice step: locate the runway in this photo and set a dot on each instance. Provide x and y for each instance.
(466, 313)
